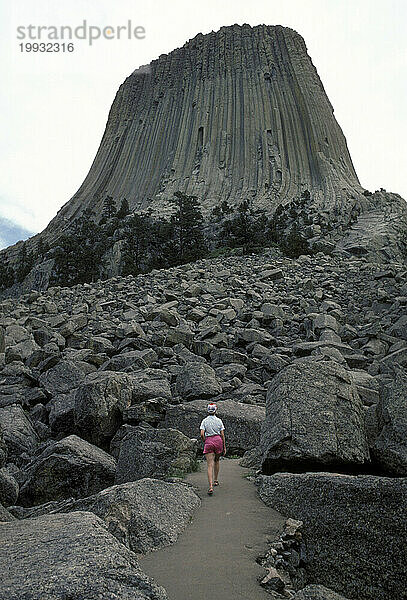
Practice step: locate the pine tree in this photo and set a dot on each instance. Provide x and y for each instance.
(188, 241)
(137, 237)
(79, 252)
(124, 209)
(247, 228)
(109, 209)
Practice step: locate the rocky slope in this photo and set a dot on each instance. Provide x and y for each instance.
(306, 359)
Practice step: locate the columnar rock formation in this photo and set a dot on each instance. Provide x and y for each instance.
(239, 113)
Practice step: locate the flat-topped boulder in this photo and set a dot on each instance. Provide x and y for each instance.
(242, 421)
(157, 453)
(354, 529)
(314, 419)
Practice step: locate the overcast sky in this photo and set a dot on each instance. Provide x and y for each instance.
(54, 106)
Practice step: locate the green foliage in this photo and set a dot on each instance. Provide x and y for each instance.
(6, 274)
(246, 228)
(78, 256)
(137, 238)
(293, 245)
(124, 209)
(109, 210)
(186, 239)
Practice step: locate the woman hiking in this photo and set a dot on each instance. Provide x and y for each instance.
(213, 436)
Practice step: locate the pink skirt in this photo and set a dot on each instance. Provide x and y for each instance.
(213, 443)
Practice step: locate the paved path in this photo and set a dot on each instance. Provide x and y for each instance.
(215, 556)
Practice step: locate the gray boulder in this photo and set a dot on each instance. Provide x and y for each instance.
(8, 488)
(70, 467)
(5, 515)
(99, 404)
(197, 380)
(354, 529)
(62, 413)
(21, 351)
(157, 453)
(18, 432)
(143, 515)
(317, 592)
(56, 557)
(390, 448)
(62, 378)
(242, 422)
(314, 417)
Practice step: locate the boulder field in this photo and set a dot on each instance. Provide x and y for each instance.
(103, 387)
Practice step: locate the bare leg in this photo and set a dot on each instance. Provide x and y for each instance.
(216, 466)
(210, 460)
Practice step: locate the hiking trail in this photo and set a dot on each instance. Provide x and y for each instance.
(215, 555)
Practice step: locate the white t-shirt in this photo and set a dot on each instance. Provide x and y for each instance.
(212, 425)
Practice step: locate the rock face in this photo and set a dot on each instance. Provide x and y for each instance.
(390, 448)
(158, 453)
(70, 467)
(244, 114)
(99, 402)
(197, 380)
(18, 432)
(314, 418)
(55, 557)
(347, 521)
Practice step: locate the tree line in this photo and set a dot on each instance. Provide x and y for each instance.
(147, 242)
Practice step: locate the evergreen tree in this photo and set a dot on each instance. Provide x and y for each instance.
(188, 242)
(109, 209)
(79, 253)
(247, 228)
(124, 209)
(137, 237)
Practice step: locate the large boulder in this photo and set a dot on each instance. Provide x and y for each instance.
(314, 418)
(144, 515)
(5, 515)
(317, 592)
(18, 432)
(56, 557)
(354, 529)
(390, 448)
(99, 404)
(62, 413)
(242, 422)
(8, 487)
(61, 378)
(197, 380)
(157, 453)
(70, 467)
